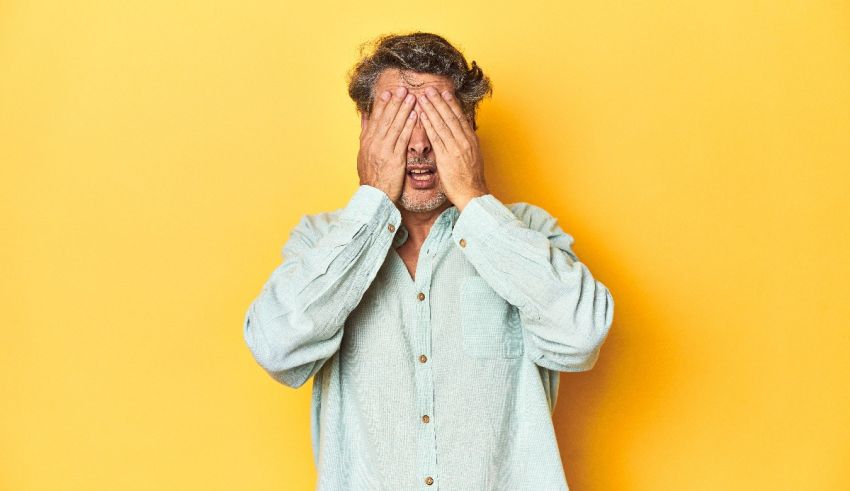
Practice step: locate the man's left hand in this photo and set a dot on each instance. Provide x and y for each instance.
(455, 147)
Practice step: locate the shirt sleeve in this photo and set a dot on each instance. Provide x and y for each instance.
(565, 313)
(296, 322)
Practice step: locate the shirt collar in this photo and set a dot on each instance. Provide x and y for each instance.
(445, 221)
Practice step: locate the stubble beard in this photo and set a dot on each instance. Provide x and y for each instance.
(409, 203)
(432, 203)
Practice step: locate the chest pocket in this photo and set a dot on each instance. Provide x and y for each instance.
(491, 326)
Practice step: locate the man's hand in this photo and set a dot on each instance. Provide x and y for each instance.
(455, 145)
(382, 159)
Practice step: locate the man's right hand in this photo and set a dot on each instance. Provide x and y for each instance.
(382, 160)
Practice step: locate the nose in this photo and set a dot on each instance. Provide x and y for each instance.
(419, 145)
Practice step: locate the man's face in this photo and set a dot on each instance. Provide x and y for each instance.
(422, 191)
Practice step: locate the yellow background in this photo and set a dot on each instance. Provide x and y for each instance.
(155, 155)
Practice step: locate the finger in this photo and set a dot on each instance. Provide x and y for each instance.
(377, 111)
(447, 114)
(437, 124)
(400, 118)
(390, 111)
(454, 104)
(406, 131)
(435, 139)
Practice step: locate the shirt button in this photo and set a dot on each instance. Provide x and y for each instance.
(391, 227)
(423, 358)
(421, 296)
(462, 242)
(429, 480)
(425, 418)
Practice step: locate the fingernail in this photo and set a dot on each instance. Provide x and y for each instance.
(422, 99)
(412, 115)
(385, 95)
(430, 91)
(447, 95)
(408, 99)
(400, 91)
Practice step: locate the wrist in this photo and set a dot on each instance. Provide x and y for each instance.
(391, 191)
(461, 202)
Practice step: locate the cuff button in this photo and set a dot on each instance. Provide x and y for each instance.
(462, 242)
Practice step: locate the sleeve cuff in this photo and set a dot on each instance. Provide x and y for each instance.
(369, 203)
(480, 217)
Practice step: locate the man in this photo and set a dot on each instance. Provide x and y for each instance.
(434, 318)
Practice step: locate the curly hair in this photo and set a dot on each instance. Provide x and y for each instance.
(417, 52)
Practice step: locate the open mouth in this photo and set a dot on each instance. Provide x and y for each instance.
(421, 174)
(422, 178)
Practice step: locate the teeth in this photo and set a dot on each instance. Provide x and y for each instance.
(421, 176)
(418, 171)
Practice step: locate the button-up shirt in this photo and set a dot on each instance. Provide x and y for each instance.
(446, 381)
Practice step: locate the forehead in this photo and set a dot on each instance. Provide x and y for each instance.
(415, 82)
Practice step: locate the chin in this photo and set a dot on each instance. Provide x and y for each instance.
(418, 201)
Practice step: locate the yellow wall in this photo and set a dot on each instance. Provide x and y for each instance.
(155, 154)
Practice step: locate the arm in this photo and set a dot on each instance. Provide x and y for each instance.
(565, 312)
(296, 322)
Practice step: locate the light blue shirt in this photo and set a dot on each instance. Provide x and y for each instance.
(444, 382)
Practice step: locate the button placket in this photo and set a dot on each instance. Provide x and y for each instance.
(427, 454)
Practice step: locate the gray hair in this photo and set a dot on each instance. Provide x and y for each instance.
(417, 52)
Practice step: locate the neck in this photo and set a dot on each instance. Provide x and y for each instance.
(418, 223)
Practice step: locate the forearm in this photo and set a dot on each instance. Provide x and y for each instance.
(565, 312)
(296, 322)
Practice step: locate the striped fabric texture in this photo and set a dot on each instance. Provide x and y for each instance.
(446, 381)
